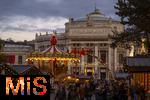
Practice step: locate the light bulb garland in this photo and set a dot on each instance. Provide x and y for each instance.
(52, 56)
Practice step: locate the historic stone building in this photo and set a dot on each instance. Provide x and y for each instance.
(91, 33)
(17, 52)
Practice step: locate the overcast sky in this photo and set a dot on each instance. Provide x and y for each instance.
(21, 19)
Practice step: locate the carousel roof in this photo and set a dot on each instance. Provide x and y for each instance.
(53, 53)
(52, 49)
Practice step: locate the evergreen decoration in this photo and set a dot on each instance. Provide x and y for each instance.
(135, 14)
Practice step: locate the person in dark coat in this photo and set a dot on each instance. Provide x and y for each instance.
(61, 94)
(88, 92)
(72, 95)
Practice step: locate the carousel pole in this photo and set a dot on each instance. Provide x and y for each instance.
(39, 64)
(53, 42)
(53, 68)
(43, 64)
(50, 67)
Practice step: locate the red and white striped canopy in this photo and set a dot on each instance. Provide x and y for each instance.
(52, 49)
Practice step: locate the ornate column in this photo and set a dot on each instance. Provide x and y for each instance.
(96, 60)
(110, 70)
(69, 48)
(99, 68)
(115, 59)
(82, 62)
(69, 62)
(16, 59)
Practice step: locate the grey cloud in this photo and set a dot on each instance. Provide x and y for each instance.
(44, 9)
(65, 8)
(9, 28)
(26, 28)
(29, 24)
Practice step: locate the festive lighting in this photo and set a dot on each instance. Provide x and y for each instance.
(49, 58)
(132, 51)
(77, 80)
(69, 77)
(143, 50)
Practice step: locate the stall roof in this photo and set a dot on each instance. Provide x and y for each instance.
(137, 61)
(21, 68)
(121, 75)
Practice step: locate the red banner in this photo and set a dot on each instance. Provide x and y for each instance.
(11, 59)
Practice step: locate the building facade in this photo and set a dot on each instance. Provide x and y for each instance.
(90, 33)
(16, 52)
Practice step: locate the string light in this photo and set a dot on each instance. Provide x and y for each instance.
(51, 58)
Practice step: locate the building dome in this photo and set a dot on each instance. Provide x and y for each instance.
(96, 15)
(96, 12)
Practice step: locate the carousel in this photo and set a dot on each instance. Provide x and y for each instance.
(53, 60)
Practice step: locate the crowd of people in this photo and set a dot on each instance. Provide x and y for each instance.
(92, 90)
